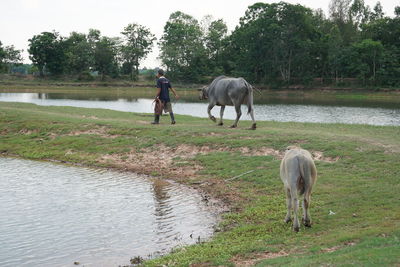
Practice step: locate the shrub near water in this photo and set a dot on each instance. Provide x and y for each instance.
(354, 205)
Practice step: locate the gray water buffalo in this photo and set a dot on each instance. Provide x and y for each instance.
(226, 91)
(298, 173)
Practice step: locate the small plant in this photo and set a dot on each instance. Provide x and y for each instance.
(136, 260)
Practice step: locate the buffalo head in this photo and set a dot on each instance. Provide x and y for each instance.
(203, 93)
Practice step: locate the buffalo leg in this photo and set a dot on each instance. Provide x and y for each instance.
(306, 213)
(238, 114)
(295, 204)
(253, 126)
(221, 114)
(289, 205)
(210, 106)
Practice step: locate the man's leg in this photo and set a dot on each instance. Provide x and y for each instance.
(168, 108)
(172, 118)
(156, 119)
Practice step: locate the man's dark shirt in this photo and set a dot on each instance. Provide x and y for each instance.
(164, 84)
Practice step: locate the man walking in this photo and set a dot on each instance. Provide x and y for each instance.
(163, 86)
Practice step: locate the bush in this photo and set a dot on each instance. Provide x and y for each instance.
(85, 76)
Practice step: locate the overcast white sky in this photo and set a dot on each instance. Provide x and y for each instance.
(21, 19)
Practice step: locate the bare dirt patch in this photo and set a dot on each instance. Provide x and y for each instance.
(143, 122)
(214, 134)
(101, 131)
(160, 158)
(319, 156)
(388, 148)
(27, 132)
(258, 257)
(90, 117)
(333, 249)
(255, 258)
(186, 151)
(175, 163)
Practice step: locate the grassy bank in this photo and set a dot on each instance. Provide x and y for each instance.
(355, 204)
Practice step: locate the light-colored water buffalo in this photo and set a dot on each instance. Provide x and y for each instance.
(226, 91)
(298, 173)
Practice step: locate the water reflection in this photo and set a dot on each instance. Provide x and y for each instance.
(297, 109)
(54, 215)
(163, 211)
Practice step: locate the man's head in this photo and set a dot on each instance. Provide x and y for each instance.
(160, 73)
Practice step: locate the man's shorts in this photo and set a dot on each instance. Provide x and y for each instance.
(167, 107)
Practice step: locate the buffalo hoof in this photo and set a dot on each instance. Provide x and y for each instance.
(287, 220)
(307, 223)
(253, 127)
(233, 126)
(213, 118)
(220, 124)
(296, 229)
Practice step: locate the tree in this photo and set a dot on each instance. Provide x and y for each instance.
(78, 53)
(214, 41)
(9, 56)
(138, 42)
(47, 52)
(359, 13)
(397, 11)
(274, 42)
(182, 49)
(105, 53)
(386, 31)
(340, 14)
(339, 10)
(13, 57)
(367, 58)
(378, 12)
(2, 57)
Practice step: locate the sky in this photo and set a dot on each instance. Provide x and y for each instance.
(20, 20)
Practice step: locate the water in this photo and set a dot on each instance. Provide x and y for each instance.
(274, 110)
(55, 215)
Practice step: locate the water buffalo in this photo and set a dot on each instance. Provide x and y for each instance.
(298, 173)
(226, 91)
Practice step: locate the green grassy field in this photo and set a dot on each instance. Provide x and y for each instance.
(358, 179)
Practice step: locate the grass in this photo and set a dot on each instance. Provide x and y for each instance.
(361, 188)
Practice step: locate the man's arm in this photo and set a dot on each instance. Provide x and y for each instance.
(158, 92)
(175, 94)
(158, 88)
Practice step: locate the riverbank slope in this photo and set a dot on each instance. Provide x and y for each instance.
(354, 205)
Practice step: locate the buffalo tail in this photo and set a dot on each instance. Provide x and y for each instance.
(250, 98)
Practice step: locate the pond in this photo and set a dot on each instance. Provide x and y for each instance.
(55, 215)
(295, 107)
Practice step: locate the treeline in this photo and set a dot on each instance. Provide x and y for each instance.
(282, 44)
(81, 53)
(274, 44)
(285, 44)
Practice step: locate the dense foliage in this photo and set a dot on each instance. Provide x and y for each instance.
(82, 54)
(284, 44)
(288, 44)
(9, 56)
(274, 44)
